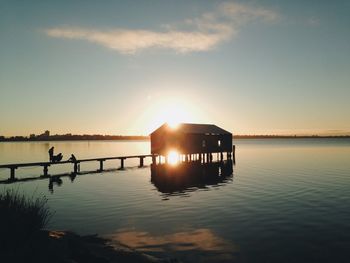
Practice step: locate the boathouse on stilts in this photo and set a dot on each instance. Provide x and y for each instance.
(192, 142)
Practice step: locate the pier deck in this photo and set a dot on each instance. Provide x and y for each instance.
(76, 163)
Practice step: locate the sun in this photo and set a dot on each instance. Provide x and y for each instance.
(175, 113)
(172, 111)
(173, 157)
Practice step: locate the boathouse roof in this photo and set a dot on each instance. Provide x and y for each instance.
(191, 128)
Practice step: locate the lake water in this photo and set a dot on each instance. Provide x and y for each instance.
(288, 200)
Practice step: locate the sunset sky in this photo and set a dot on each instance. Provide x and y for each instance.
(125, 67)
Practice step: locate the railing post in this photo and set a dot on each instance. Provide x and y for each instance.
(12, 175)
(75, 167)
(45, 171)
(122, 163)
(101, 165)
(141, 161)
(234, 152)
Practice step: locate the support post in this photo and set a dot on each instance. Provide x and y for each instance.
(45, 171)
(154, 160)
(200, 157)
(122, 163)
(12, 175)
(221, 156)
(75, 167)
(101, 165)
(141, 161)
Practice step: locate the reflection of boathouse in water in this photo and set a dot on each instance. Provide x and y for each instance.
(192, 142)
(190, 176)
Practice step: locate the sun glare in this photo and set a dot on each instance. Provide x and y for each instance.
(173, 157)
(173, 124)
(172, 111)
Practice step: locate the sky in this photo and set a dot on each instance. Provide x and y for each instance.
(125, 67)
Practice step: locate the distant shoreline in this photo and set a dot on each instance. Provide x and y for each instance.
(146, 138)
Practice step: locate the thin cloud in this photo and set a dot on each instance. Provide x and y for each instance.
(131, 41)
(245, 13)
(193, 35)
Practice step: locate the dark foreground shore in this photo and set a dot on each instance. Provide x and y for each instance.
(68, 247)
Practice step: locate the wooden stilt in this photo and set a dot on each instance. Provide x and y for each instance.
(12, 175)
(45, 171)
(141, 161)
(75, 167)
(101, 165)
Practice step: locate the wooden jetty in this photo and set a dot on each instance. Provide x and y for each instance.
(76, 164)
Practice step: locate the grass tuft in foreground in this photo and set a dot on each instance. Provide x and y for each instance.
(21, 219)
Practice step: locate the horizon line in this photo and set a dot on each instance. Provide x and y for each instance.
(68, 136)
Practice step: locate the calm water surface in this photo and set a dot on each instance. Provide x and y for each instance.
(288, 200)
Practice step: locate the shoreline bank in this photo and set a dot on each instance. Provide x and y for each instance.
(68, 247)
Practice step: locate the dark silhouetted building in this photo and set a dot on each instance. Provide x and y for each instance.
(188, 139)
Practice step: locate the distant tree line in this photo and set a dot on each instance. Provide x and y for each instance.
(72, 137)
(288, 136)
(86, 137)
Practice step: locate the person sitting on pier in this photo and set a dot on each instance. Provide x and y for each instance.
(72, 158)
(76, 164)
(57, 158)
(51, 156)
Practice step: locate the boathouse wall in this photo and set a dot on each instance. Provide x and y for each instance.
(191, 139)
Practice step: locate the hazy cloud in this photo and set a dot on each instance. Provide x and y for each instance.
(199, 34)
(245, 13)
(130, 41)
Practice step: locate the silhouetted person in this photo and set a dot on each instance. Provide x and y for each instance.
(72, 158)
(51, 156)
(58, 157)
